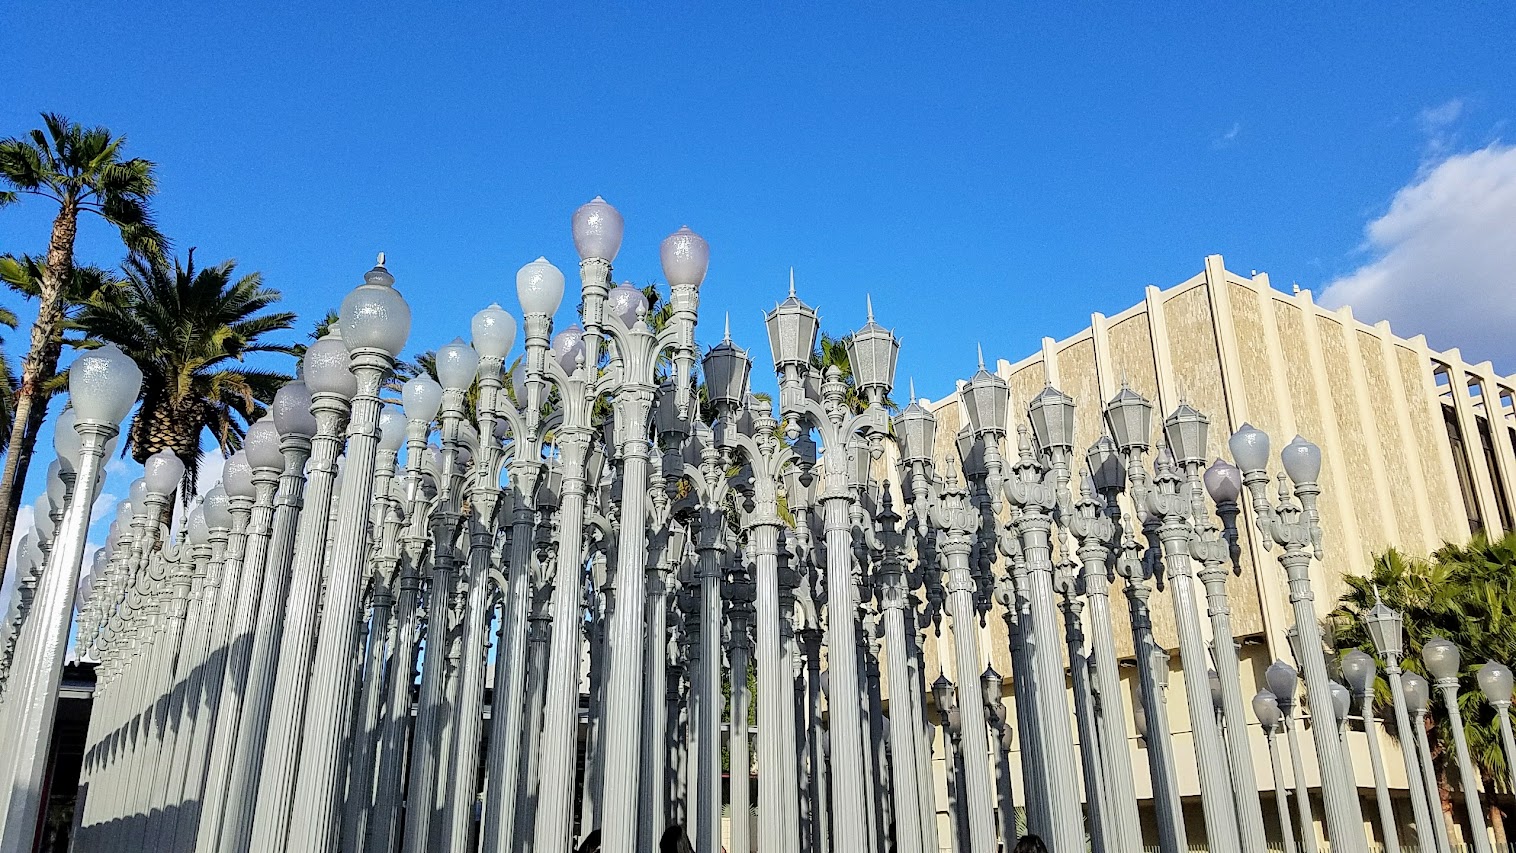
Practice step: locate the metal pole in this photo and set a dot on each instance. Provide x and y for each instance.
(1381, 789)
(1468, 781)
(1426, 833)
(1281, 801)
(1302, 788)
(1429, 780)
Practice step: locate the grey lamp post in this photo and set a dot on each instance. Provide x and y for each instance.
(103, 385)
(1184, 431)
(375, 324)
(1283, 681)
(1386, 630)
(283, 443)
(1266, 708)
(1495, 683)
(1360, 671)
(1443, 663)
(1293, 525)
(1418, 696)
(945, 694)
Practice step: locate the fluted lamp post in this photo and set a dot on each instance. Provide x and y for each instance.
(1418, 701)
(1387, 631)
(1292, 524)
(1495, 683)
(1283, 681)
(1266, 709)
(1360, 671)
(1444, 663)
(103, 384)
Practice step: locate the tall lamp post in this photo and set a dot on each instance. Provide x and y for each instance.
(1360, 671)
(1443, 662)
(1495, 683)
(102, 386)
(1292, 524)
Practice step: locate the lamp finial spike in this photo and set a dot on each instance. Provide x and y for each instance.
(792, 282)
(913, 389)
(868, 299)
(381, 259)
(727, 334)
(981, 355)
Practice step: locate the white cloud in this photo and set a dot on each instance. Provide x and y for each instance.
(1226, 139)
(1444, 257)
(105, 504)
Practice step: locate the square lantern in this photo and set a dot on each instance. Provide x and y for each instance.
(1185, 433)
(987, 399)
(1129, 417)
(1052, 416)
(726, 368)
(971, 454)
(1106, 468)
(1385, 629)
(916, 429)
(792, 327)
(872, 351)
(860, 462)
(666, 413)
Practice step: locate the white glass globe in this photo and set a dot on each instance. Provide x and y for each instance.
(237, 476)
(539, 287)
(103, 384)
(494, 331)
(391, 429)
(262, 446)
(457, 365)
(626, 302)
(218, 508)
(195, 527)
(597, 230)
(1441, 658)
(1223, 481)
(1302, 461)
(137, 494)
(66, 438)
(163, 471)
(568, 346)
(292, 410)
(375, 315)
(1250, 448)
(327, 367)
(422, 398)
(685, 256)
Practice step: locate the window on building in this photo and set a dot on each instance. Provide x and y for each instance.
(1493, 466)
(1465, 474)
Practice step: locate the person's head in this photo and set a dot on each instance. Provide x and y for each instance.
(1030, 844)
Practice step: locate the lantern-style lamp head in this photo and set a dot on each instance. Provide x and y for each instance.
(971, 454)
(236, 476)
(1302, 461)
(1359, 670)
(457, 365)
(1185, 433)
(916, 428)
(686, 257)
(262, 445)
(422, 398)
(597, 231)
(1418, 694)
(292, 410)
(1384, 627)
(1441, 659)
(945, 693)
(1223, 481)
(493, 331)
(1129, 418)
(792, 327)
(987, 402)
(327, 367)
(1282, 680)
(163, 471)
(727, 368)
(1495, 682)
(1342, 701)
(539, 287)
(218, 510)
(375, 315)
(873, 351)
(1052, 416)
(568, 347)
(391, 429)
(1250, 448)
(103, 384)
(1104, 461)
(627, 302)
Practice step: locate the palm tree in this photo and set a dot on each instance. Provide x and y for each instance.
(189, 330)
(1466, 593)
(82, 170)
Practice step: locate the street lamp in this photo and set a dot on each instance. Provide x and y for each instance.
(1495, 683)
(1386, 629)
(1443, 662)
(1283, 681)
(1360, 671)
(1266, 709)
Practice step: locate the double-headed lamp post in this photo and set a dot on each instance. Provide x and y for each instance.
(1387, 631)
(1444, 663)
(1292, 524)
(102, 384)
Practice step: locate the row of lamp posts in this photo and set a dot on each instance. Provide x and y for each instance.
(605, 553)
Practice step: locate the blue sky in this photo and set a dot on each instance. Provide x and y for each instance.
(989, 174)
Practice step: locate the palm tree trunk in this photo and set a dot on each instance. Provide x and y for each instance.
(41, 364)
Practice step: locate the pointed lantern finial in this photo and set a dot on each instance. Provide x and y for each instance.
(726, 336)
(868, 300)
(792, 281)
(381, 259)
(981, 355)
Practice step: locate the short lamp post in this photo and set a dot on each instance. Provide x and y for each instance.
(1495, 683)
(1443, 662)
(1283, 681)
(1386, 629)
(103, 384)
(1266, 709)
(1360, 672)
(1418, 700)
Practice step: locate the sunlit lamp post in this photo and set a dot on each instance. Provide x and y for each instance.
(1266, 709)
(1495, 683)
(1360, 672)
(1283, 681)
(1444, 663)
(1386, 629)
(1418, 700)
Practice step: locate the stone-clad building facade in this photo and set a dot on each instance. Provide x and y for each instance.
(1419, 448)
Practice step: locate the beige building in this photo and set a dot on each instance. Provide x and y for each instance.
(1419, 447)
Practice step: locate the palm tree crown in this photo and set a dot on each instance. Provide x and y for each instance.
(189, 330)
